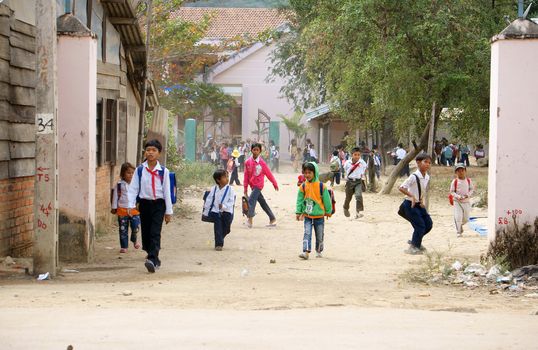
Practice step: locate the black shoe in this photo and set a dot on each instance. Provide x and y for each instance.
(150, 266)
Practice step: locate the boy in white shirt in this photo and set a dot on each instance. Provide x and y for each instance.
(313, 154)
(151, 187)
(354, 169)
(461, 189)
(415, 188)
(220, 203)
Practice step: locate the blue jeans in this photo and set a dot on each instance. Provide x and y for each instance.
(319, 225)
(421, 221)
(221, 227)
(124, 222)
(256, 196)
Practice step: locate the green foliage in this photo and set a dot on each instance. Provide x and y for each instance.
(197, 100)
(193, 173)
(385, 61)
(237, 3)
(177, 57)
(295, 126)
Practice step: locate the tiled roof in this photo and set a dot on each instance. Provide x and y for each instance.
(232, 22)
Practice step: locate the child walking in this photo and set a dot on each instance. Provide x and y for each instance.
(151, 185)
(461, 189)
(313, 204)
(334, 166)
(233, 167)
(220, 203)
(415, 188)
(255, 172)
(354, 169)
(120, 205)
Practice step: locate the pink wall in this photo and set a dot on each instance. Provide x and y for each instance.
(77, 79)
(513, 165)
(251, 73)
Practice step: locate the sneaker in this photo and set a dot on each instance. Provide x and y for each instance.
(218, 249)
(123, 250)
(412, 250)
(346, 212)
(358, 216)
(304, 255)
(318, 255)
(150, 266)
(249, 222)
(422, 247)
(459, 235)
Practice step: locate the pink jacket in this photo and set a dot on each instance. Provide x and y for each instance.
(255, 173)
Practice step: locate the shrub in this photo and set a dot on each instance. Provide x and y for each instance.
(517, 246)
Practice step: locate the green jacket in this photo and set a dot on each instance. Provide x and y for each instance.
(310, 202)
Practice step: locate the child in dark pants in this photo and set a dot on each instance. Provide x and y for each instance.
(354, 169)
(120, 203)
(415, 188)
(151, 185)
(220, 202)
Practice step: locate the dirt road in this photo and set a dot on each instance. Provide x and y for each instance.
(362, 267)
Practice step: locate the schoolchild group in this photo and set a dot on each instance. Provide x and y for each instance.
(145, 194)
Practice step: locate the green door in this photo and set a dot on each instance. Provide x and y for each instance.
(274, 132)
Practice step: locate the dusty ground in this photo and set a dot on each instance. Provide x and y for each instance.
(362, 266)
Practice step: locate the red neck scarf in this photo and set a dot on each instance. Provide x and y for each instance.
(154, 174)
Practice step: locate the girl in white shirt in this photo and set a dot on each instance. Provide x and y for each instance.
(120, 205)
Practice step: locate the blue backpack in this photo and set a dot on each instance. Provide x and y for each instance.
(173, 182)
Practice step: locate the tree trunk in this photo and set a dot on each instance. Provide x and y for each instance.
(387, 141)
(387, 188)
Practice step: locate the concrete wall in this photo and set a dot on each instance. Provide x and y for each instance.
(77, 57)
(513, 164)
(250, 74)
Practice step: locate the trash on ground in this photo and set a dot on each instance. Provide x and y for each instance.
(43, 276)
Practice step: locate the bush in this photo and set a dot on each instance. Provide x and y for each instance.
(518, 247)
(193, 173)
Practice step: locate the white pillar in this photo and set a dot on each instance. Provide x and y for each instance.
(77, 98)
(513, 166)
(320, 155)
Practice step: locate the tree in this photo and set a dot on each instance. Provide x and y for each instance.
(177, 58)
(295, 126)
(383, 64)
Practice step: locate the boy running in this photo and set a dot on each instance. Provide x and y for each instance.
(461, 189)
(255, 172)
(313, 204)
(415, 188)
(354, 169)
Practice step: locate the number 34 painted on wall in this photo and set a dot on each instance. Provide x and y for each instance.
(44, 123)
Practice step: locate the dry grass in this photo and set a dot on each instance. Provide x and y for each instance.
(517, 246)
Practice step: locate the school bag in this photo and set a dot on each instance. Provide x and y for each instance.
(331, 194)
(450, 196)
(244, 205)
(211, 216)
(334, 165)
(230, 165)
(401, 210)
(173, 182)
